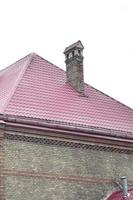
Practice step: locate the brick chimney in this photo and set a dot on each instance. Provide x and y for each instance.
(74, 66)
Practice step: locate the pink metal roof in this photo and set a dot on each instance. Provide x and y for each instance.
(119, 196)
(33, 87)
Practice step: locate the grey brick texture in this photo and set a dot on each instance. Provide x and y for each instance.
(30, 157)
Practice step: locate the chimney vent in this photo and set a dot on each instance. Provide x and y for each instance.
(74, 66)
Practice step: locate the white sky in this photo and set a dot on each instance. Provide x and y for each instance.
(46, 27)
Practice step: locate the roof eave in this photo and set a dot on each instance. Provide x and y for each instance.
(91, 132)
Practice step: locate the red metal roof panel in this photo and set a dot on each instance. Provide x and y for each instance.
(119, 196)
(33, 87)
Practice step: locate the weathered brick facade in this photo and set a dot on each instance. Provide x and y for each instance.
(39, 167)
(2, 161)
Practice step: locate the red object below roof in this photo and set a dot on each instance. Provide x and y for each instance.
(33, 87)
(119, 195)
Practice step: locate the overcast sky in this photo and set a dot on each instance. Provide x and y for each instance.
(46, 27)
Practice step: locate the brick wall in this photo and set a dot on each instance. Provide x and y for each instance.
(2, 185)
(36, 170)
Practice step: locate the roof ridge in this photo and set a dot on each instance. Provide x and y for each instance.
(120, 103)
(49, 62)
(27, 62)
(15, 62)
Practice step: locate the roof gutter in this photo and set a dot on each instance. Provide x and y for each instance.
(67, 129)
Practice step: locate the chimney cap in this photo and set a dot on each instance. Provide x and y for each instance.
(76, 45)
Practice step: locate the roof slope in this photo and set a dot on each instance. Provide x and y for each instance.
(9, 78)
(33, 87)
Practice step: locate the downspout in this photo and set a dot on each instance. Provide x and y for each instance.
(124, 187)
